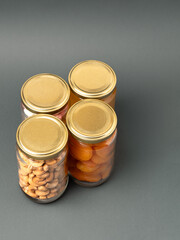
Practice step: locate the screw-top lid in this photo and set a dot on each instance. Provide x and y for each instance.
(45, 93)
(92, 79)
(91, 120)
(42, 136)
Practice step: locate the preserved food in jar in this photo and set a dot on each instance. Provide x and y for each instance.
(45, 93)
(93, 80)
(42, 157)
(92, 138)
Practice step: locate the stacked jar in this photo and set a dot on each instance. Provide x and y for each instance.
(42, 157)
(92, 127)
(45, 93)
(92, 79)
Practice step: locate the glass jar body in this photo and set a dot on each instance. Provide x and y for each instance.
(91, 164)
(110, 99)
(43, 181)
(61, 114)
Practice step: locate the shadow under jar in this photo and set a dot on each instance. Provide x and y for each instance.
(45, 93)
(92, 79)
(42, 157)
(92, 126)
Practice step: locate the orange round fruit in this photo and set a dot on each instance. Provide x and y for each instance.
(87, 177)
(79, 150)
(87, 166)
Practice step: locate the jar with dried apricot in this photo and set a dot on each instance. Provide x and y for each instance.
(92, 79)
(42, 157)
(45, 93)
(92, 127)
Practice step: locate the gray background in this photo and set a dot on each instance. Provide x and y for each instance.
(140, 40)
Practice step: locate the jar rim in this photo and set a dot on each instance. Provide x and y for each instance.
(92, 79)
(91, 120)
(54, 95)
(42, 136)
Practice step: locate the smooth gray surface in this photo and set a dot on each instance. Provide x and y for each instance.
(140, 40)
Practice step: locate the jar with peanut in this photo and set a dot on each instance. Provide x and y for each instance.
(92, 79)
(42, 157)
(45, 93)
(92, 138)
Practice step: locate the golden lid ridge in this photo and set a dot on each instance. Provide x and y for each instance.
(91, 120)
(45, 93)
(92, 79)
(41, 136)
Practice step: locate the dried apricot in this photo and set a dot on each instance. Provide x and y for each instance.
(87, 166)
(106, 172)
(105, 150)
(80, 151)
(98, 159)
(88, 177)
(101, 168)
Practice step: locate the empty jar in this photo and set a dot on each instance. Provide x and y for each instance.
(45, 93)
(92, 138)
(93, 80)
(42, 157)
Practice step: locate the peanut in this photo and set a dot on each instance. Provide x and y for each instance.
(42, 188)
(50, 177)
(44, 175)
(22, 173)
(42, 197)
(23, 184)
(32, 194)
(32, 188)
(51, 195)
(33, 184)
(38, 172)
(37, 177)
(53, 190)
(25, 170)
(45, 167)
(52, 184)
(24, 178)
(42, 193)
(39, 181)
(37, 163)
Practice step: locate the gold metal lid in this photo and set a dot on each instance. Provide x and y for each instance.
(42, 136)
(92, 79)
(91, 120)
(45, 93)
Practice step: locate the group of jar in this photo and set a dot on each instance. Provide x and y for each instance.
(67, 130)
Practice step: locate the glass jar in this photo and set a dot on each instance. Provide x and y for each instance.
(45, 93)
(93, 80)
(92, 126)
(42, 157)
